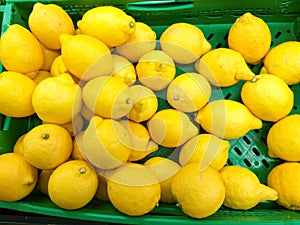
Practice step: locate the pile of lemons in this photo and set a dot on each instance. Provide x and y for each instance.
(95, 86)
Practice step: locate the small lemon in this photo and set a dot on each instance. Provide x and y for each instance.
(107, 23)
(206, 149)
(18, 146)
(58, 66)
(41, 75)
(107, 96)
(143, 40)
(188, 92)
(102, 189)
(18, 177)
(105, 143)
(171, 128)
(140, 143)
(199, 194)
(57, 99)
(73, 185)
(283, 61)
(164, 169)
(43, 181)
(20, 51)
(16, 91)
(46, 146)
(250, 36)
(268, 97)
(243, 188)
(282, 140)
(227, 119)
(285, 179)
(133, 189)
(77, 143)
(155, 70)
(49, 56)
(123, 69)
(85, 57)
(47, 22)
(224, 67)
(184, 42)
(145, 103)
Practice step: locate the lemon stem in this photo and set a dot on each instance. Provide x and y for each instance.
(45, 136)
(175, 97)
(254, 80)
(82, 170)
(131, 25)
(128, 101)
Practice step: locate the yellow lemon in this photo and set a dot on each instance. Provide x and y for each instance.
(164, 169)
(155, 70)
(18, 177)
(105, 143)
(250, 36)
(283, 61)
(243, 188)
(73, 185)
(43, 180)
(57, 99)
(123, 69)
(133, 189)
(41, 75)
(188, 92)
(184, 42)
(77, 143)
(102, 189)
(47, 22)
(207, 150)
(285, 179)
(143, 40)
(16, 91)
(199, 194)
(107, 23)
(140, 143)
(49, 56)
(18, 146)
(227, 119)
(171, 128)
(46, 146)
(268, 97)
(20, 51)
(224, 67)
(58, 66)
(75, 126)
(145, 103)
(282, 141)
(107, 96)
(85, 57)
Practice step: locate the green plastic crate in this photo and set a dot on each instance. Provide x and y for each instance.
(215, 18)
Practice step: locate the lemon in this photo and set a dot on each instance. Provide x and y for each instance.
(107, 23)
(282, 141)
(107, 97)
(20, 51)
(285, 179)
(18, 146)
(268, 97)
(73, 185)
(46, 146)
(75, 126)
(77, 143)
(184, 42)
(145, 103)
(85, 57)
(133, 189)
(283, 61)
(142, 40)
(188, 92)
(206, 149)
(155, 70)
(58, 66)
(105, 143)
(123, 69)
(49, 56)
(16, 92)
(140, 143)
(171, 128)
(199, 194)
(18, 177)
(227, 119)
(164, 169)
(43, 181)
(102, 189)
(47, 22)
(243, 188)
(57, 99)
(250, 36)
(41, 75)
(224, 67)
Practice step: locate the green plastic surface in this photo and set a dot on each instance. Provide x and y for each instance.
(215, 18)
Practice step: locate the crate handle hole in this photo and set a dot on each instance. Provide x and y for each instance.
(237, 150)
(277, 35)
(210, 36)
(266, 164)
(247, 140)
(255, 151)
(246, 161)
